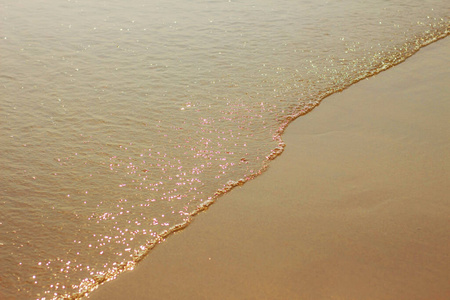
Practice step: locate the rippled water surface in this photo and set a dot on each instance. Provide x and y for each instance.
(119, 120)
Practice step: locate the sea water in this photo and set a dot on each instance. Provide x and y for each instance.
(121, 120)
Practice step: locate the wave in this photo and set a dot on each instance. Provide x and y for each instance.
(377, 62)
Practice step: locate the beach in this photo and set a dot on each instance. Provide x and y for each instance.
(224, 149)
(356, 207)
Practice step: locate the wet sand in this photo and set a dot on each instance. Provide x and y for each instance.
(357, 207)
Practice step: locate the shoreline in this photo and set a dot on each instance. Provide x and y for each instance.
(355, 208)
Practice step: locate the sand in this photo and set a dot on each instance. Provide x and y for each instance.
(357, 207)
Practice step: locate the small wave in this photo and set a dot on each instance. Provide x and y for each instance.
(90, 284)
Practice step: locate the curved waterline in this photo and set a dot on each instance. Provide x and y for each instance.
(90, 284)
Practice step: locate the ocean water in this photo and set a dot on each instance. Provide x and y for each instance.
(121, 120)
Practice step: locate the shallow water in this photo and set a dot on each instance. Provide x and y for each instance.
(121, 120)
